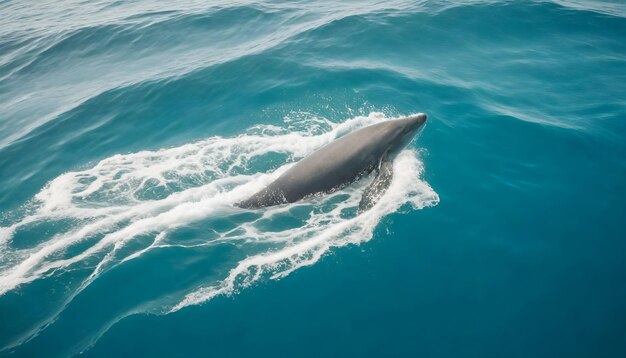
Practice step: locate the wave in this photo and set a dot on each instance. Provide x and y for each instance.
(133, 49)
(127, 206)
(135, 46)
(607, 7)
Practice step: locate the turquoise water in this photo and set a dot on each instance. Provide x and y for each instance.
(128, 129)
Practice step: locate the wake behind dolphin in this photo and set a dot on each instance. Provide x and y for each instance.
(136, 210)
(342, 162)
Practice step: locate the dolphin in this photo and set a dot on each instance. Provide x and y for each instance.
(341, 163)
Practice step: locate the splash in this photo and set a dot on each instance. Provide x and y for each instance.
(127, 206)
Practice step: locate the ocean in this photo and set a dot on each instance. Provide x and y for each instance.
(128, 129)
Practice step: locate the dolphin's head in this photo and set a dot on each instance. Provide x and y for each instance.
(407, 129)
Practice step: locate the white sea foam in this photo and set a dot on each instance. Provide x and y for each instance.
(154, 193)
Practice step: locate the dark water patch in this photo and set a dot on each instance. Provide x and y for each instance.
(136, 284)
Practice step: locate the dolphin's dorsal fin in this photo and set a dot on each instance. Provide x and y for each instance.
(379, 185)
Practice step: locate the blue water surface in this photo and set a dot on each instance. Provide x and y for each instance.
(113, 242)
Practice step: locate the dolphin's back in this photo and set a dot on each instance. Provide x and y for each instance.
(329, 168)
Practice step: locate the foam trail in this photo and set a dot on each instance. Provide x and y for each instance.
(154, 193)
(325, 231)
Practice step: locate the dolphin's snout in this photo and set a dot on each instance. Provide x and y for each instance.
(418, 120)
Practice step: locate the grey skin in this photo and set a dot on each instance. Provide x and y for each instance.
(343, 162)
